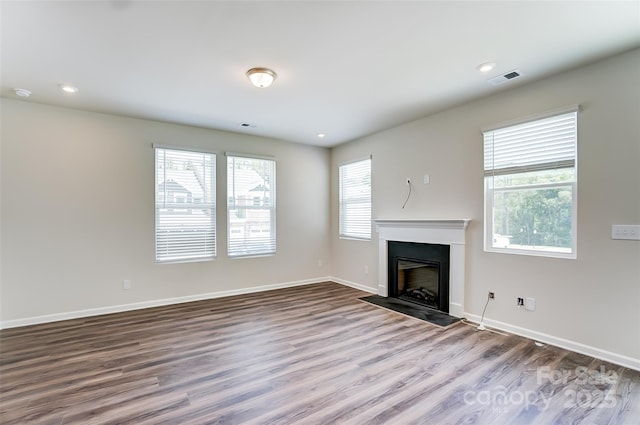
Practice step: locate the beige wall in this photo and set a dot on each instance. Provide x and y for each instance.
(594, 300)
(77, 209)
(78, 213)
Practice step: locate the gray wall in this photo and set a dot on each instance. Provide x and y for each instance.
(594, 300)
(78, 213)
(77, 210)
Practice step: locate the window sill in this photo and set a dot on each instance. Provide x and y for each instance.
(192, 260)
(242, 257)
(533, 252)
(351, 238)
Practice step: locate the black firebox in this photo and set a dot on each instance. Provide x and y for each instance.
(419, 272)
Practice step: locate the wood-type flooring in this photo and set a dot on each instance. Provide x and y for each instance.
(313, 354)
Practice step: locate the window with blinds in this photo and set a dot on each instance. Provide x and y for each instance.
(355, 199)
(185, 205)
(251, 206)
(530, 186)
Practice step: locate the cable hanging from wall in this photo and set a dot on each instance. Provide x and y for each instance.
(408, 194)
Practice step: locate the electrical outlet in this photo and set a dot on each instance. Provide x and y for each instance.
(366, 269)
(126, 284)
(492, 295)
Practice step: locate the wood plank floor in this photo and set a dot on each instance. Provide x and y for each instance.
(306, 355)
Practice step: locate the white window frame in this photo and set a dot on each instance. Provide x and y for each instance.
(493, 169)
(185, 231)
(246, 248)
(359, 226)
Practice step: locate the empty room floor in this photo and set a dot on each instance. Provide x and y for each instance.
(313, 354)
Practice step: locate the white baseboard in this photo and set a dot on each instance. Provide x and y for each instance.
(619, 359)
(154, 303)
(578, 347)
(456, 310)
(354, 285)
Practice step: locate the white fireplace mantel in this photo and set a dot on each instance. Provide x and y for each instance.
(443, 232)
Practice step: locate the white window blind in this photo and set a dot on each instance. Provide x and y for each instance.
(531, 186)
(355, 199)
(544, 144)
(185, 205)
(251, 206)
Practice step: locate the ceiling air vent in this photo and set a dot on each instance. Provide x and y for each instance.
(500, 79)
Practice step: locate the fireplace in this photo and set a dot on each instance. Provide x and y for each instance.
(432, 232)
(419, 272)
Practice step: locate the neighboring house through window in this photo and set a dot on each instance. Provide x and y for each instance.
(185, 205)
(530, 180)
(251, 206)
(355, 199)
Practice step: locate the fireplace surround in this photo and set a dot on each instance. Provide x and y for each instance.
(443, 232)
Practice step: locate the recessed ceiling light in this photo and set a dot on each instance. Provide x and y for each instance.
(486, 67)
(68, 89)
(22, 92)
(321, 135)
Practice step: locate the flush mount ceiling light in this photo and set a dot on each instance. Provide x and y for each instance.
(486, 67)
(68, 89)
(22, 92)
(321, 135)
(261, 77)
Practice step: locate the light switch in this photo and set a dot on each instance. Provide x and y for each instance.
(625, 231)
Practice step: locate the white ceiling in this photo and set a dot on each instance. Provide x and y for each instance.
(345, 68)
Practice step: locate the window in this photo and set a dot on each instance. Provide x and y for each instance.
(185, 205)
(530, 187)
(355, 200)
(251, 206)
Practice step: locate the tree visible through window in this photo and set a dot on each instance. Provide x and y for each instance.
(530, 187)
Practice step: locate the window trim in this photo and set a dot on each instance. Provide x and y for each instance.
(185, 148)
(273, 206)
(489, 191)
(212, 208)
(346, 236)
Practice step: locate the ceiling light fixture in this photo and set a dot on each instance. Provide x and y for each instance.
(68, 89)
(321, 135)
(22, 92)
(261, 77)
(486, 67)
